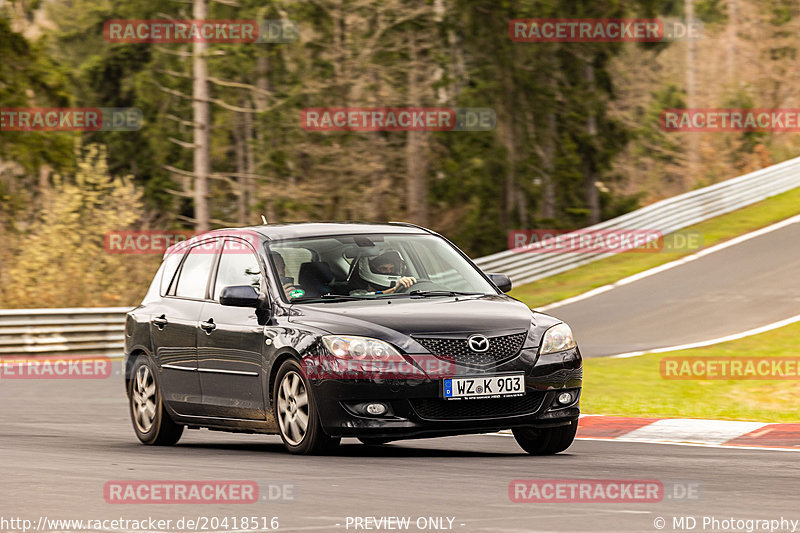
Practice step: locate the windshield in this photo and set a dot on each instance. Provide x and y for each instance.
(372, 266)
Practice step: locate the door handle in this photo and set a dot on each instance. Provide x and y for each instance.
(208, 326)
(160, 321)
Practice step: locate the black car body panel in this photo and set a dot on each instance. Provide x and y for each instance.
(216, 364)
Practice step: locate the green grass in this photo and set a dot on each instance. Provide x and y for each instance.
(634, 386)
(599, 273)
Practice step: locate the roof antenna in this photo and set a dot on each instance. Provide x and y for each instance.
(264, 219)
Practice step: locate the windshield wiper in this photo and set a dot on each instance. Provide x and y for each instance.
(423, 294)
(331, 298)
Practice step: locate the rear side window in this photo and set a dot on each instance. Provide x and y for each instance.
(152, 293)
(193, 278)
(169, 266)
(237, 266)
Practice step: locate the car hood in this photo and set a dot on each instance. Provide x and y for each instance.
(490, 315)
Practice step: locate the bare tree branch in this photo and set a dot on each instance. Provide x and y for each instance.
(179, 142)
(180, 120)
(248, 86)
(178, 193)
(180, 53)
(178, 170)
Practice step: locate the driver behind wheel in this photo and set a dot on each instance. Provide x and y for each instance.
(385, 273)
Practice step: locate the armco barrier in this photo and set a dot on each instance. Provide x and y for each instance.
(99, 331)
(69, 331)
(666, 216)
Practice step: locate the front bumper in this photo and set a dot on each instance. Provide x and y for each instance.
(416, 408)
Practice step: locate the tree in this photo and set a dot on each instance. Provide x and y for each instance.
(61, 257)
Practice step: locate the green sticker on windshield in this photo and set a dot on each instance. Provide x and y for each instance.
(297, 293)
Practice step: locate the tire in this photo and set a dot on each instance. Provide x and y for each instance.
(150, 419)
(546, 441)
(296, 413)
(372, 441)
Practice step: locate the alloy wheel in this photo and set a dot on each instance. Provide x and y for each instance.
(144, 399)
(293, 408)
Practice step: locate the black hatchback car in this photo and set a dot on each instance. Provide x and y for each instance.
(320, 331)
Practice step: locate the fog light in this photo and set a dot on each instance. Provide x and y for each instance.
(376, 408)
(565, 398)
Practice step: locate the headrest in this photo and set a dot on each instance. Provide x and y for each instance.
(316, 271)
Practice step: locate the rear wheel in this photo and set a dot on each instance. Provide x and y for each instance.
(546, 441)
(296, 413)
(151, 422)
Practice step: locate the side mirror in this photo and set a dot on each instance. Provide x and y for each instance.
(501, 280)
(239, 296)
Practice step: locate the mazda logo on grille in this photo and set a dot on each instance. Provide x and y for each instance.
(478, 343)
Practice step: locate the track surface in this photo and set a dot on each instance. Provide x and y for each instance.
(62, 440)
(736, 289)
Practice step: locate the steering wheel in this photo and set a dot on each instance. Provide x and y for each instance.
(421, 284)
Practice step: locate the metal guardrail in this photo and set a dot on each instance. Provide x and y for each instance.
(69, 331)
(666, 216)
(99, 331)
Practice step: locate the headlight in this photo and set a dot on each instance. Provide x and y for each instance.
(360, 348)
(557, 339)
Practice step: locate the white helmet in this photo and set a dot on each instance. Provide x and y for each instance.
(382, 271)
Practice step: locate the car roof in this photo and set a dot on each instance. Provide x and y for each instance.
(301, 230)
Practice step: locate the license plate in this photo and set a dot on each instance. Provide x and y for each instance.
(505, 386)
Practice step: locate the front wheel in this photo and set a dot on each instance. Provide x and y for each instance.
(296, 413)
(546, 441)
(151, 422)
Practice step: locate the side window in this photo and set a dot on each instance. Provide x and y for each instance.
(237, 266)
(193, 278)
(168, 272)
(152, 293)
(293, 257)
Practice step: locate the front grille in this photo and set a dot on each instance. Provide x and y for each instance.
(500, 349)
(438, 409)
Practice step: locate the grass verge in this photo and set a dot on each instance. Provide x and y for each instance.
(715, 230)
(634, 386)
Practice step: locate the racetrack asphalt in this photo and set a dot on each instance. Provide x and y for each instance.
(62, 440)
(736, 289)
